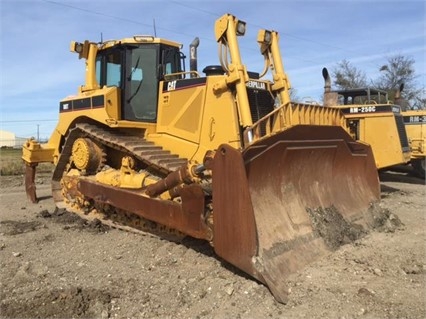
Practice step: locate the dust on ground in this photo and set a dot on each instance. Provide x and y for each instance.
(56, 265)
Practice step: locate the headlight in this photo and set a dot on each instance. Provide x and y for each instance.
(78, 47)
(268, 37)
(241, 27)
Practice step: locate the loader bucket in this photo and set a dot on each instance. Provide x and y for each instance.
(289, 199)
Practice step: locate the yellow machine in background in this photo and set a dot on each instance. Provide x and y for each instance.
(371, 118)
(211, 156)
(415, 124)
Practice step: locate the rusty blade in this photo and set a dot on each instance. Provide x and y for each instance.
(235, 236)
(186, 217)
(290, 180)
(293, 179)
(30, 188)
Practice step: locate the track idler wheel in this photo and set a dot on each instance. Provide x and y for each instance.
(86, 155)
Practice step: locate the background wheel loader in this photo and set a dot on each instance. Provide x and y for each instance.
(271, 187)
(371, 118)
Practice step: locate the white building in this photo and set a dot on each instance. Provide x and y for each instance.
(9, 139)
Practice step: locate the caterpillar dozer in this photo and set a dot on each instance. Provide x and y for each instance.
(373, 119)
(210, 156)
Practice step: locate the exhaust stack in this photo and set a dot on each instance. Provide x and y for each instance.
(330, 98)
(193, 55)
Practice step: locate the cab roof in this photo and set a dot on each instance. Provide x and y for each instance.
(138, 39)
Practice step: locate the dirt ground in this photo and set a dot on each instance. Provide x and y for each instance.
(55, 265)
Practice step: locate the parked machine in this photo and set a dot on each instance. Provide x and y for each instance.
(371, 118)
(211, 156)
(415, 125)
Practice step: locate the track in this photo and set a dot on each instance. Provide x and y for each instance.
(153, 156)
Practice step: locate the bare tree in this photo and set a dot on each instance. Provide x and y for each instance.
(399, 70)
(346, 76)
(420, 101)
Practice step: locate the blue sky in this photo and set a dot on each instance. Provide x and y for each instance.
(37, 69)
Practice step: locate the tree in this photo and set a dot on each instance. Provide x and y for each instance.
(396, 71)
(420, 101)
(293, 95)
(346, 76)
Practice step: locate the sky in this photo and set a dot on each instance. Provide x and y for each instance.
(38, 70)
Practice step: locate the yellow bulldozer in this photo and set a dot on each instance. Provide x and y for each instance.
(212, 155)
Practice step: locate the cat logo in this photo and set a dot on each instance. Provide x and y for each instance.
(171, 86)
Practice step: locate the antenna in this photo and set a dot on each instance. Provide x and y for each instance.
(155, 31)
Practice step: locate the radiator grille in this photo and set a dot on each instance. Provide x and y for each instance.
(261, 104)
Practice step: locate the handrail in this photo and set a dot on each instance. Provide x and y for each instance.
(172, 76)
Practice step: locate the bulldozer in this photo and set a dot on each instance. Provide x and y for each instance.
(373, 119)
(213, 156)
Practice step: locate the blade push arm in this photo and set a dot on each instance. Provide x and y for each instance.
(269, 47)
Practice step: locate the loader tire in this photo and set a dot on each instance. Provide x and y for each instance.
(419, 167)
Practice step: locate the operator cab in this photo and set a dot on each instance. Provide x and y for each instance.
(136, 66)
(363, 96)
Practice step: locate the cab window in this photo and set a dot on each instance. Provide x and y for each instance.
(108, 68)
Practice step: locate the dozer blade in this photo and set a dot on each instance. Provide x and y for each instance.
(289, 199)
